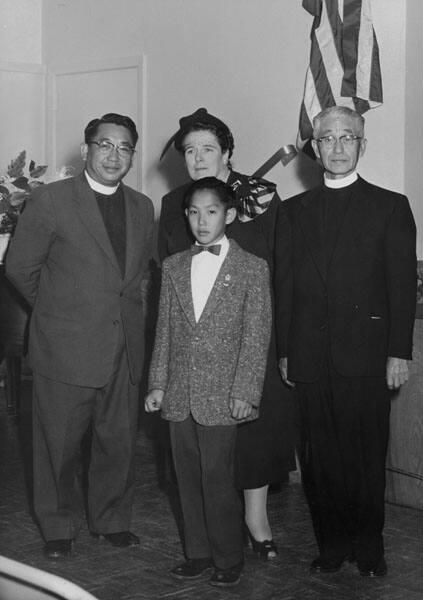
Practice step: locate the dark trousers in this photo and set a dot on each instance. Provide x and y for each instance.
(345, 429)
(211, 507)
(62, 414)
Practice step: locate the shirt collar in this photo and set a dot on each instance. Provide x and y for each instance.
(99, 187)
(340, 183)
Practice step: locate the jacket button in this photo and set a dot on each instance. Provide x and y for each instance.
(323, 326)
(116, 322)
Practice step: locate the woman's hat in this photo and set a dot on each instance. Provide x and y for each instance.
(200, 116)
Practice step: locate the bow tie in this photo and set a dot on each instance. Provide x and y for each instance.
(214, 249)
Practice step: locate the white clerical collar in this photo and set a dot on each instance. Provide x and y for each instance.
(107, 190)
(340, 183)
(223, 241)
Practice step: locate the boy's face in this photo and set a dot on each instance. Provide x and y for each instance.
(208, 217)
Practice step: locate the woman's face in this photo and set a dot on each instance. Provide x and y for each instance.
(204, 156)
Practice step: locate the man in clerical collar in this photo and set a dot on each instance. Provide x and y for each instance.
(339, 142)
(345, 287)
(80, 257)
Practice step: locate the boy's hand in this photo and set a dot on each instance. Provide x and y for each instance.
(153, 400)
(240, 409)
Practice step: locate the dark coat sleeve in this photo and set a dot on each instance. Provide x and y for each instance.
(401, 278)
(30, 245)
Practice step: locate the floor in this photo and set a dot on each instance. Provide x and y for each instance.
(143, 573)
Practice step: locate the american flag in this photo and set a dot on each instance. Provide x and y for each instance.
(344, 61)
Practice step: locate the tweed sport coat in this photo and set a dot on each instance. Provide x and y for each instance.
(360, 307)
(62, 261)
(202, 365)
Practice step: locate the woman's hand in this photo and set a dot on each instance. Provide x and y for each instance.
(283, 368)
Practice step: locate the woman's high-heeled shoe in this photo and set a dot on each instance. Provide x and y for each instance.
(266, 549)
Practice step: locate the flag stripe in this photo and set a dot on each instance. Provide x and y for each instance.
(351, 33)
(333, 13)
(313, 7)
(376, 91)
(329, 72)
(368, 72)
(344, 60)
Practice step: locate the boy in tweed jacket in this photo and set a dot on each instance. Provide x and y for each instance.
(207, 373)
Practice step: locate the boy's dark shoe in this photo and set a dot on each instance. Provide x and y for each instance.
(378, 569)
(58, 549)
(227, 577)
(192, 568)
(120, 539)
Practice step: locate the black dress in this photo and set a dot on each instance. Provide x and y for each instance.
(265, 447)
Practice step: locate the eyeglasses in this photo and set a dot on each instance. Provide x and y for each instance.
(106, 147)
(329, 141)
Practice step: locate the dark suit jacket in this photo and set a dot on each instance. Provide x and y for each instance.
(360, 306)
(62, 262)
(202, 365)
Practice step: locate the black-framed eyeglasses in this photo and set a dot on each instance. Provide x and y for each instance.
(329, 141)
(106, 147)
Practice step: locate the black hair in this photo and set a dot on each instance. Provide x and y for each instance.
(222, 133)
(92, 127)
(219, 188)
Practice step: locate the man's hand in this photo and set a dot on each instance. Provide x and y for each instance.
(396, 372)
(283, 368)
(240, 409)
(154, 400)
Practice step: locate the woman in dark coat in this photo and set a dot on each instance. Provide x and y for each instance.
(265, 446)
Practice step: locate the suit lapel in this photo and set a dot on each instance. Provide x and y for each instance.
(225, 278)
(311, 223)
(181, 280)
(92, 219)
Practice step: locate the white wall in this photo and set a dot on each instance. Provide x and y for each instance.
(21, 112)
(21, 81)
(20, 30)
(245, 60)
(383, 162)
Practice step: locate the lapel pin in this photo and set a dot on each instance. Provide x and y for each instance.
(226, 280)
